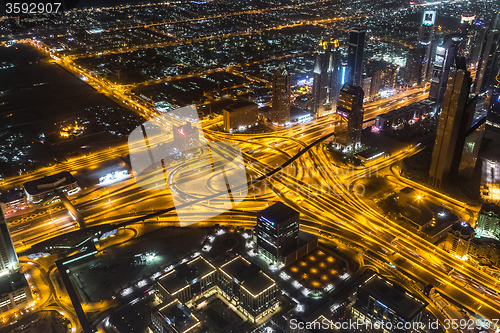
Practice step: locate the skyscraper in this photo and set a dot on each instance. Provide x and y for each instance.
(326, 84)
(490, 57)
(425, 35)
(445, 54)
(350, 107)
(277, 231)
(282, 94)
(355, 55)
(414, 66)
(493, 116)
(454, 125)
(8, 257)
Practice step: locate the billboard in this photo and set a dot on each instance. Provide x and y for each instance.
(429, 17)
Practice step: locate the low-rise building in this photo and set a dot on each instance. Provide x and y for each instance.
(188, 281)
(380, 300)
(12, 201)
(15, 293)
(410, 114)
(48, 186)
(252, 291)
(236, 282)
(173, 316)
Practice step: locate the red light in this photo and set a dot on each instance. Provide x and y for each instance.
(181, 131)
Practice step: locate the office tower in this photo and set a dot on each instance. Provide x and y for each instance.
(425, 36)
(380, 300)
(471, 145)
(326, 84)
(414, 66)
(355, 55)
(8, 257)
(277, 231)
(281, 96)
(445, 54)
(240, 115)
(454, 125)
(350, 107)
(490, 57)
(493, 116)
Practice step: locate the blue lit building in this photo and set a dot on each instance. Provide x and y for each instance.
(277, 231)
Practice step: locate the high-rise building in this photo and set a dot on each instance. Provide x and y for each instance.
(277, 231)
(350, 107)
(8, 257)
(355, 55)
(425, 36)
(493, 116)
(326, 84)
(15, 292)
(489, 62)
(443, 59)
(471, 145)
(454, 126)
(282, 95)
(414, 66)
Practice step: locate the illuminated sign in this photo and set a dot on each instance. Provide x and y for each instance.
(270, 222)
(467, 19)
(429, 17)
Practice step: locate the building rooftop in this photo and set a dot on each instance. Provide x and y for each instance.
(185, 274)
(351, 89)
(238, 104)
(464, 228)
(178, 316)
(12, 282)
(248, 275)
(490, 207)
(49, 182)
(11, 195)
(279, 212)
(407, 190)
(394, 296)
(486, 240)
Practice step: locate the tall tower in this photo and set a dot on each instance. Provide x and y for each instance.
(414, 66)
(445, 54)
(326, 84)
(282, 95)
(454, 123)
(425, 35)
(355, 55)
(350, 107)
(8, 257)
(490, 57)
